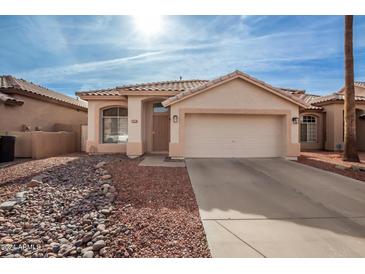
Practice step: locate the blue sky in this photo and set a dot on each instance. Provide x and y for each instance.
(72, 53)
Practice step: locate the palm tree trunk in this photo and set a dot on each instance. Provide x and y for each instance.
(350, 152)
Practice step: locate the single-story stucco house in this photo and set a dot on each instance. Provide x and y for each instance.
(26, 107)
(235, 115)
(24, 104)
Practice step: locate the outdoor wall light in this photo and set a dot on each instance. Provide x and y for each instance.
(175, 118)
(295, 120)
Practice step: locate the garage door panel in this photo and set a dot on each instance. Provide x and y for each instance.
(209, 135)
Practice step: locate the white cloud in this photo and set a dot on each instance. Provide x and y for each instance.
(60, 72)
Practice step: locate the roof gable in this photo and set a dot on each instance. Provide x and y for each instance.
(10, 84)
(229, 77)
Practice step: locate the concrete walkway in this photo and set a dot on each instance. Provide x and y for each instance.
(160, 160)
(278, 208)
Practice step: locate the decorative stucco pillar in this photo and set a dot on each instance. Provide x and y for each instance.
(135, 111)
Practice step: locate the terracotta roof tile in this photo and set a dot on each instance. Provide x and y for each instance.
(334, 97)
(167, 86)
(309, 98)
(360, 84)
(9, 83)
(292, 90)
(8, 100)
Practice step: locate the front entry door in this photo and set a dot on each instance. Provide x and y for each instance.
(160, 129)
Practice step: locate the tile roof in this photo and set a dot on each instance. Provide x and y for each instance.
(360, 84)
(233, 75)
(309, 98)
(356, 84)
(166, 86)
(334, 97)
(9, 83)
(293, 90)
(182, 88)
(10, 101)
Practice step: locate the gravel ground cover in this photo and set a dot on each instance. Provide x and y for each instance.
(13, 177)
(158, 209)
(98, 206)
(332, 161)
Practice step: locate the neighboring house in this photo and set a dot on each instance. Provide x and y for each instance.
(27, 107)
(322, 124)
(235, 115)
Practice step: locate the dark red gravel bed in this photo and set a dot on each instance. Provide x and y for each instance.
(156, 208)
(329, 160)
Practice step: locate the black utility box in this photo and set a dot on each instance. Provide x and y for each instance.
(7, 148)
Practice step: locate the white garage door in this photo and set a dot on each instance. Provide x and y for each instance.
(229, 136)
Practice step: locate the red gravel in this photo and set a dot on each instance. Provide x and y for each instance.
(158, 206)
(13, 177)
(328, 160)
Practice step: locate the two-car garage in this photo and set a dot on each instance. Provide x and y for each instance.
(234, 135)
(234, 116)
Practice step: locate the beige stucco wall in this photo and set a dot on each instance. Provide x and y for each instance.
(47, 144)
(94, 144)
(334, 126)
(23, 143)
(139, 125)
(360, 129)
(40, 144)
(359, 91)
(38, 113)
(136, 126)
(71, 128)
(240, 97)
(320, 131)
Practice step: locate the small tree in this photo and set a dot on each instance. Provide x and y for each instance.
(350, 151)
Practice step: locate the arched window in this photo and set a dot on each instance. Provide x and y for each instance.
(308, 129)
(114, 125)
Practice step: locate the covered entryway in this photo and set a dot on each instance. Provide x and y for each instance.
(160, 128)
(156, 126)
(234, 135)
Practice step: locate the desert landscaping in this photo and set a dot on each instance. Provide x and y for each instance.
(89, 206)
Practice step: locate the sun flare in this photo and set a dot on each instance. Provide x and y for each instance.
(148, 24)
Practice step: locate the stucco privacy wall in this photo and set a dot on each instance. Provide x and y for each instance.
(94, 144)
(239, 96)
(23, 143)
(38, 113)
(71, 128)
(46, 144)
(39, 144)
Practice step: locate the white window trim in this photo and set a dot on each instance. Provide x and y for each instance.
(101, 123)
(309, 123)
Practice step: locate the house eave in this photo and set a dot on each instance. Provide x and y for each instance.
(168, 102)
(21, 92)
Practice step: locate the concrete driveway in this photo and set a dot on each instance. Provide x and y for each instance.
(278, 208)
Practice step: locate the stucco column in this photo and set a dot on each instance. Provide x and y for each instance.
(91, 128)
(338, 128)
(135, 142)
(334, 127)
